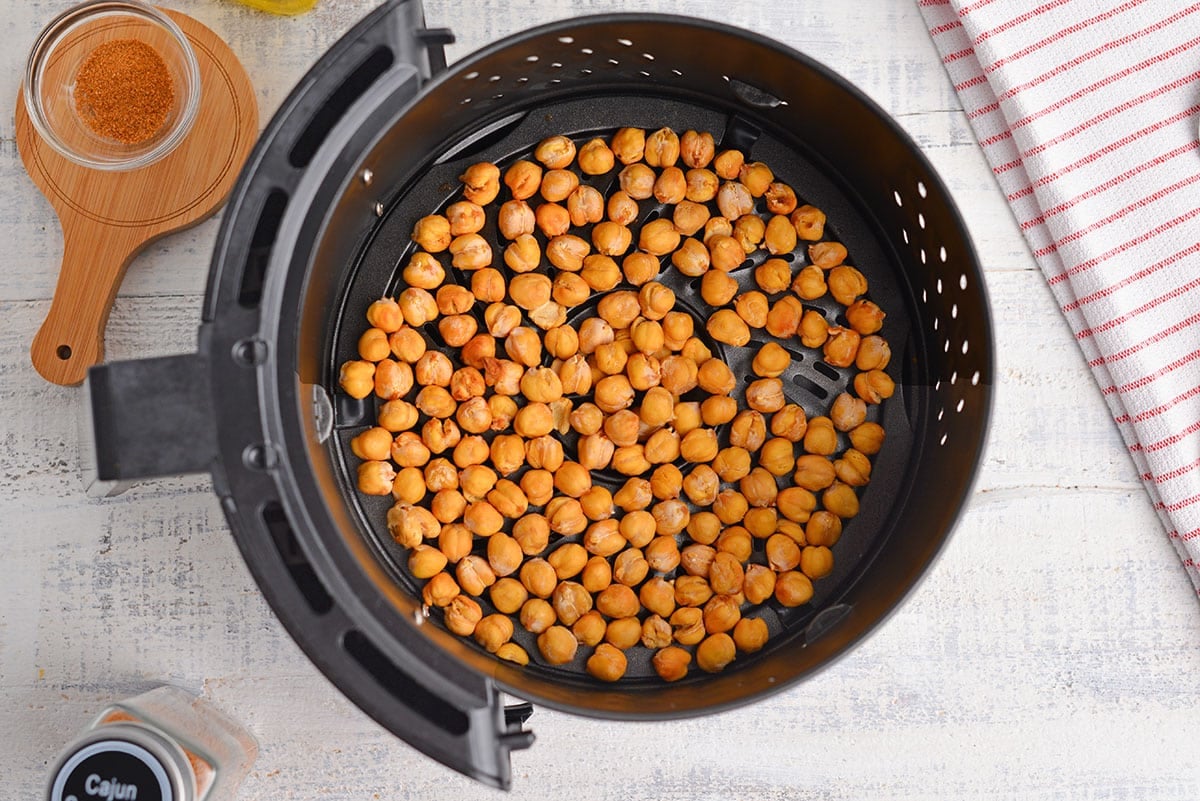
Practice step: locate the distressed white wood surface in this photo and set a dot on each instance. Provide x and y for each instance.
(1050, 654)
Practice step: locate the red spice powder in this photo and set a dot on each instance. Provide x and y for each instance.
(124, 91)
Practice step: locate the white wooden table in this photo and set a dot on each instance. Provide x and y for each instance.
(1050, 654)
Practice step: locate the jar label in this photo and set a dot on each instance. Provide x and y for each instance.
(112, 770)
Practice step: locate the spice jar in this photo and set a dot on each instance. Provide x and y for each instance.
(163, 745)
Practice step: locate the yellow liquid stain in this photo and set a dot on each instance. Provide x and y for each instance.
(281, 6)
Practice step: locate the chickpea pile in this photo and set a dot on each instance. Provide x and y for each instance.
(488, 445)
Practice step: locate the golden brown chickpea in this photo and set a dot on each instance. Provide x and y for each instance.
(465, 217)
(793, 588)
(481, 183)
(720, 226)
(699, 445)
(730, 506)
(874, 353)
(750, 634)
(434, 368)
(374, 444)
(440, 590)
(749, 231)
(678, 327)
(759, 487)
(558, 185)
(373, 345)
(470, 451)
(780, 236)
(469, 252)
(692, 591)
(790, 423)
(777, 456)
(432, 233)
(570, 601)
(478, 350)
(630, 460)
(409, 486)
(732, 464)
(629, 145)
(854, 468)
(781, 199)
(783, 553)
(552, 219)
(523, 179)
(385, 315)
(715, 653)
(734, 200)
(721, 614)
(569, 289)
(810, 284)
(717, 288)
(874, 386)
(771, 361)
(439, 435)
(816, 561)
(511, 652)
(656, 632)
(474, 575)
(409, 451)
(453, 299)
(538, 485)
(748, 430)
(621, 208)
(701, 187)
(630, 568)
(827, 255)
(558, 645)
(847, 412)
(809, 223)
(765, 395)
(726, 326)
(457, 329)
(555, 152)
(619, 309)
(357, 378)
(375, 478)
(783, 320)
(773, 276)
(696, 149)
(568, 559)
(662, 148)
(841, 500)
(824, 528)
(865, 317)
(407, 344)
(647, 335)
(671, 186)
(813, 472)
(487, 285)
(692, 258)
(756, 177)
(600, 273)
(541, 384)
(595, 158)
(689, 217)
(637, 181)
(590, 628)
(841, 347)
(493, 631)
(639, 268)
(697, 559)
(448, 505)
(759, 583)
(425, 561)
(597, 503)
(462, 616)
(868, 438)
(635, 495)
(596, 451)
(515, 218)
(671, 516)
(728, 163)
(483, 520)
(585, 205)
(845, 284)
(597, 574)
(814, 330)
(624, 633)
(508, 499)
(753, 307)
(567, 252)
(658, 237)
(617, 601)
(718, 410)
(725, 253)
(701, 486)
(538, 577)
(603, 538)
(441, 474)
(671, 663)
(531, 532)
(679, 374)
(613, 394)
(537, 615)
(607, 663)
(467, 383)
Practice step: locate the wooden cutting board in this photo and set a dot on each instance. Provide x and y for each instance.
(109, 217)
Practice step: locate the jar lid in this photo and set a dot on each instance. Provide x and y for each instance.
(118, 763)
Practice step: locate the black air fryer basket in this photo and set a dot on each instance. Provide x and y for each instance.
(374, 138)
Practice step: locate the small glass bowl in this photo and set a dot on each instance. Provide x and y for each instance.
(61, 50)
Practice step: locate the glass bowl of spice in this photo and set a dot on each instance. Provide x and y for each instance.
(112, 84)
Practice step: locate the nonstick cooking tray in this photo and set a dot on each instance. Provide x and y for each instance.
(375, 137)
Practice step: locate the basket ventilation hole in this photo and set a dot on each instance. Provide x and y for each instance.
(962, 281)
(899, 200)
(961, 404)
(470, 76)
(954, 312)
(555, 80)
(464, 101)
(566, 39)
(941, 413)
(497, 96)
(924, 296)
(975, 379)
(555, 65)
(643, 73)
(942, 255)
(937, 385)
(677, 73)
(921, 220)
(587, 51)
(613, 61)
(954, 378)
(625, 42)
(938, 286)
(647, 56)
(922, 255)
(585, 71)
(531, 59)
(494, 78)
(921, 188)
(904, 233)
(522, 79)
(946, 347)
(936, 323)
(966, 346)
(942, 441)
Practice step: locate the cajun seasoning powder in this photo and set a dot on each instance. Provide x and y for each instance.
(124, 91)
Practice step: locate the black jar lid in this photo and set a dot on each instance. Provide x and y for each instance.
(121, 761)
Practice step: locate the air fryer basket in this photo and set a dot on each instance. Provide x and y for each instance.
(317, 228)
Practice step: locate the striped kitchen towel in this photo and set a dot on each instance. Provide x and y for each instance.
(1087, 112)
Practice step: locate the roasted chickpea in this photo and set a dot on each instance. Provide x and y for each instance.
(409, 486)
(692, 590)
(558, 185)
(624, 632)
(613, 394)
(630, 460)
(373, 345)
(555, 152)
(511, 652)
(375, 478)
(570, 601)
(590, 628)
(696, 149)
(750, 634)
(637, 526)
(470, 252)
(728, 163)
(753, 307)
(607, 663)
(374, 444)
(537, 616)
(658, 237)
(721, 613)
(734, 200)
(874, 353)
(867, 438)
(699, 445)
(448, 505)
(558, 645)
(457, 329)
(810, 283)
(637, 181)
(523, 179)
(595, 157)
(765, 395)
(409, 451)
(487, 285)
(385, 315)
(425, 561)
(748, 430)
(789, 423)
(662, 148)
(715, 377)
(470, 451)
(671, 516)
(717, 226)
(538, 577)
(845, 284)
(718, 410)
(453, 299)
(777, 456)
(749, 231)
(478, 350)
(783, 320)
(841, 347)
(462, 616)
(865, 317)
(827, 255)
(809, 223)
(814, 330)
(474, 575)
(671, 663)
(567, 252)
(621, 208)
(357, 378)
(432, 233)
(552, 219)
(617, 601)
(409, 525)
(874, 386)
(732, 464)
(439, 435)
(629, 145)
(726, 326)
(515, 218)
(759, 487)
(773, 276)
(717, 288)
(481, 183)
(407, 344)
(701, 486)
(730, 506)
(824, 528)
(440, 590)
(715, 653)
(725, 253)
(696, 559)
(434, 368)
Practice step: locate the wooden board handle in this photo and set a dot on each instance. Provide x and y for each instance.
(72, 337)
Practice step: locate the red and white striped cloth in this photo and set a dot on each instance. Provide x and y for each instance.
(1087, 112)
